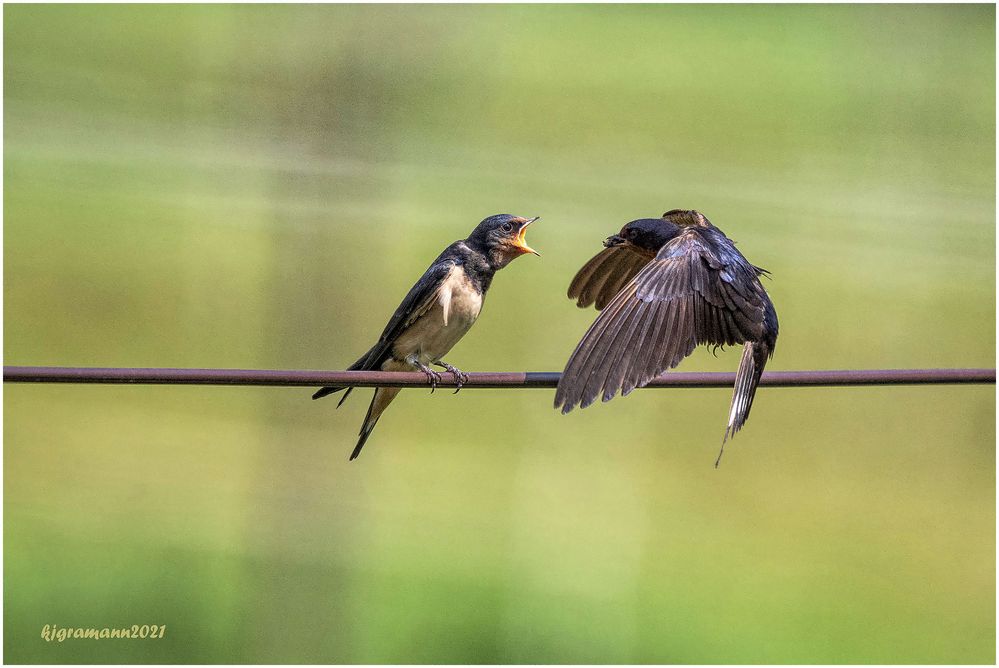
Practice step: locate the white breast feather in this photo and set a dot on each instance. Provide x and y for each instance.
(456, 307)
(457, 295)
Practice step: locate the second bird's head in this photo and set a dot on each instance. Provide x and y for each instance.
(648, 235)
(502, 238)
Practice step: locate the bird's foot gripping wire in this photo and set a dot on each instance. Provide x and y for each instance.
(460, 377)
(432, 376)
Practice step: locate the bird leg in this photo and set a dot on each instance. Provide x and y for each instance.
(432, 376)
(460, 377)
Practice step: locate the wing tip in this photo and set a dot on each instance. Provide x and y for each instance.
(564, 405)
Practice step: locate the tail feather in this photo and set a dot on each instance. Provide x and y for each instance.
(359, 365)
(366, 430)
(754, 357)
(326, 391)
(344, 397)
(379, 402)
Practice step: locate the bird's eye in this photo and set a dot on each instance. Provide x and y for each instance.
(507, 227)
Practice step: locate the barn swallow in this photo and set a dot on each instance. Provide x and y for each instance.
(438, 311)
(664, 286)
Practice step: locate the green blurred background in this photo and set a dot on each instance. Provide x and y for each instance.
(259, 186)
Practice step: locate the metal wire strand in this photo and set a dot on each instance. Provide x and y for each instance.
(529, 379)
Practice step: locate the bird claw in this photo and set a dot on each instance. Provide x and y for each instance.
(460, 377)
(433, 378)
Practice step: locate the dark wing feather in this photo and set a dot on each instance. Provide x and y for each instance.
(698, 289)
(418, 301)
(604, 275)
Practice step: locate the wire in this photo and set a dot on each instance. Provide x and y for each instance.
(529, 379)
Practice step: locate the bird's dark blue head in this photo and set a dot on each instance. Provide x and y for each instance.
(645, 235)
(502, 237)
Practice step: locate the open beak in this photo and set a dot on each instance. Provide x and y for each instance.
(614, 240)
(520, 242)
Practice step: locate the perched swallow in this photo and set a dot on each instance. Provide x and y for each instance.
(438, 311)
(664, 286)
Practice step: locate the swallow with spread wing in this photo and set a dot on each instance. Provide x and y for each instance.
(438, 311)
(664, 286)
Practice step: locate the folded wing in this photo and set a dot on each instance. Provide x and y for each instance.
(418, 301)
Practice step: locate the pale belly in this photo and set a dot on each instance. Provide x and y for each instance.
(429, 338)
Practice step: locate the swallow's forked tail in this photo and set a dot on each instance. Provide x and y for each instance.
(383, 397)
(330, 390)
(754, 357)
(359, 365)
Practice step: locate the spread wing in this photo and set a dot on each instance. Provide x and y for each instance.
(699, 289)
(604, 275)
(420, 299)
